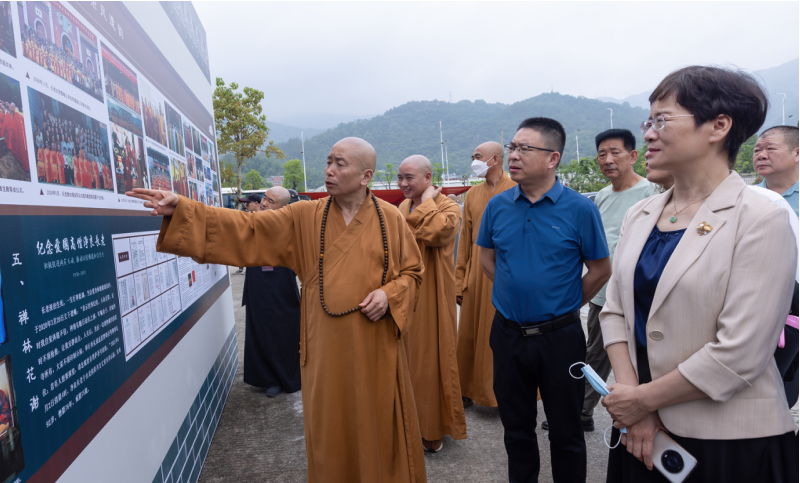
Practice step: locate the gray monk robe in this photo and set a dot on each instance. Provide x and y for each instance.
(272, 328)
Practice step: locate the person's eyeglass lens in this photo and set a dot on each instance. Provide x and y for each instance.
(659, 122)
(523, 149)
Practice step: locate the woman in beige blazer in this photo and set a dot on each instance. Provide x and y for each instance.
(699, 293)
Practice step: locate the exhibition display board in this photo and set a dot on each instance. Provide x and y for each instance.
(97, 98)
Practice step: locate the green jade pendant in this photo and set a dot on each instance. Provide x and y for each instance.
(673, 219)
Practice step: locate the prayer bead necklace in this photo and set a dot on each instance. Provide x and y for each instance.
(322, 254)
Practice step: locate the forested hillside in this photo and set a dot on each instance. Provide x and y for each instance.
(413, 128)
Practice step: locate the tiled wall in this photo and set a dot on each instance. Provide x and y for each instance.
(185, 457)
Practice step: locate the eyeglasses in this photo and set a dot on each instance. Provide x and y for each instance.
(659, 122)
(524, 149)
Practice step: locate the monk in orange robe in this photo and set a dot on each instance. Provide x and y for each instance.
(358, 409)
(473, 289)
(40, 164)
(431, 340)
(48, 163)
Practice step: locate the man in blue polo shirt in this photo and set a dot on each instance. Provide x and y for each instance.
(535, 239)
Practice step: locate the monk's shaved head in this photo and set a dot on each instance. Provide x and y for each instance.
(278, 197)
(419, 163)
(490, 149)
(359, 151)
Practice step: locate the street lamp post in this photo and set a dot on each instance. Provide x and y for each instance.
(612, 117)
(303, 152)
(577, 148)
(783, 106)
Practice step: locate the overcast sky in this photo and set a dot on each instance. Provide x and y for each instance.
(365, 58)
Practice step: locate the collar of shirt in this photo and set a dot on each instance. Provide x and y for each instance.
(553, 193)
(789, 192)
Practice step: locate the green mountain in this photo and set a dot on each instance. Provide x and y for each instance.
(413, 128)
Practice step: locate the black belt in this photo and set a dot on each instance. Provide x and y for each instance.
(530, 329)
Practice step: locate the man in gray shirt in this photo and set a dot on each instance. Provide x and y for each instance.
(616, 155)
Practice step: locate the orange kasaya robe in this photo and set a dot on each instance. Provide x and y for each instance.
(40, 164)
(358, 405)
(477, 312)
(48, 165)
(77, 173)
(431, 340)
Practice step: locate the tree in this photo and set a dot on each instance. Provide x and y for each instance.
(744, 160)
(389, 175)
(240, 125)
(583, 176)
(293, 175)
(227, 176)
(465, 179)
(254, 179)
(436, 179)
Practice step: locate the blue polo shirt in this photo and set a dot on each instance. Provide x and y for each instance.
(540, 248)
(792, 196)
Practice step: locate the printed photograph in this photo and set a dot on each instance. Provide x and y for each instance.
(187, 136)
(53, 38)
(129, 163)
(214, 182)
(7, 30)
(198, 164)
(193, 190)
(209, 195)
(174, 130)
(159, 170)
(207, 172)
(180, 181)
(155, 123)
(192, 168)
(122, 89)
(212, 158)
(12, 461)
(71, 147)
(204, 148)
(216, 199)
(14, 162)
(196, 142)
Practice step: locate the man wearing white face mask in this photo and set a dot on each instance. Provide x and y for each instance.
(473, 289)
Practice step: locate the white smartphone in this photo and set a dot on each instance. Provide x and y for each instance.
(674, 462)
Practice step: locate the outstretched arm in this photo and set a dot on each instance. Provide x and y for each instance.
(224, 236)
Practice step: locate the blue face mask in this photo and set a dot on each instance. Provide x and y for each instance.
(599, 385)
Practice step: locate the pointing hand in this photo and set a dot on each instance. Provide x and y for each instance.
(162, 203)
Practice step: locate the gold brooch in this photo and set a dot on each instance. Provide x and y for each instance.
(704, 228)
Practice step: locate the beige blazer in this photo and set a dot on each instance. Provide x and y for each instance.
(717, 312)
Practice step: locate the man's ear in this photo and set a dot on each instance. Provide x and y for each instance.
(634, 156)
(555, 157)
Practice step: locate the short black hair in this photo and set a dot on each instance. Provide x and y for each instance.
(627, 138)
(708, 91)
(790, 135)
(551, 130)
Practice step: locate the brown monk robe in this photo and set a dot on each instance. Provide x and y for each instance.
(473, 289)
(358, 408)
(431, 340)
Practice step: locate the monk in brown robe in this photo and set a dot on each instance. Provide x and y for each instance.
(431, 340)
(358, 404)
(473, 289)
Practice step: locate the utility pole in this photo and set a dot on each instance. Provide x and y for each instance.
(441, 141)
(577, 148)
(612, 117)
(447, 166)
(303, 152)
(783, 106)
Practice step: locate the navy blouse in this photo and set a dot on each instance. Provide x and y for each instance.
(652, 260)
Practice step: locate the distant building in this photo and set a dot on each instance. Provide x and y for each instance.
(277, 181)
